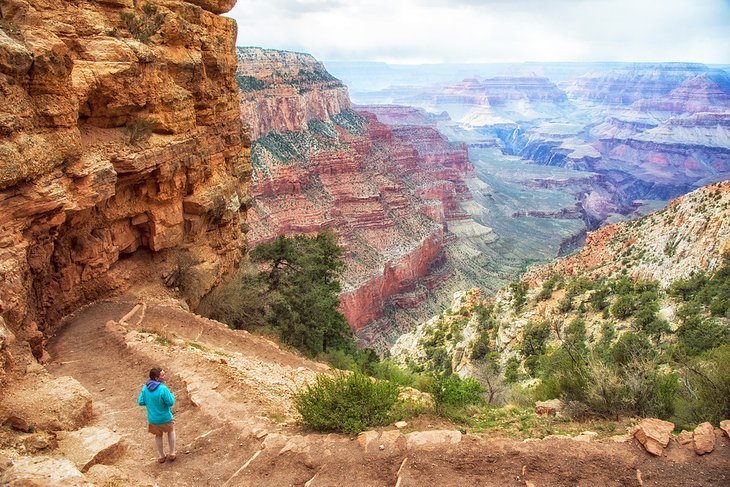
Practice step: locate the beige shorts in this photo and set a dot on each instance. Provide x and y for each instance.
(158, 429)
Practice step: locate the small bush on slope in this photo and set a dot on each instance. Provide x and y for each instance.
(347, 403)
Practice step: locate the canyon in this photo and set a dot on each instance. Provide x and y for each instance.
(391, 193)
(539, 163)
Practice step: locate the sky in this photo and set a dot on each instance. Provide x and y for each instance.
(474, 31)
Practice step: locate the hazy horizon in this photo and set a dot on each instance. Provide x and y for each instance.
(490, 31)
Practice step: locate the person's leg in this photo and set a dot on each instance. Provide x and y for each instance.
(171, 439)
(160, 446)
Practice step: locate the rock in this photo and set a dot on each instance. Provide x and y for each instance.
(684, 438)
(367, 438)
(586, 436)
(653, 434)
(400, 424)
(392, 439)
(548, 408)
(725, 426)
(274, 441)
(90, 446)
(45, 403)
(704, 438)
(172, 129)
(39, 441)
(43, 472)
(432, 439)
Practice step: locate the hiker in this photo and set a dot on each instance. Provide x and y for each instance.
(158, 399)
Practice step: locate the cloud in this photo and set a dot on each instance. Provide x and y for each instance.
(491, 30)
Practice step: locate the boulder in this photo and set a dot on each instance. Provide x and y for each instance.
(43, 472)
(704, 439)
(548, 408)
(90, 446)
(654, 434)
(432, 439)
(46, 403)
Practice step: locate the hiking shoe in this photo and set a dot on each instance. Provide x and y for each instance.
(161, 460)
(171, 457)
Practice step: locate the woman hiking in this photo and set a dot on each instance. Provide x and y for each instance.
(158, 399)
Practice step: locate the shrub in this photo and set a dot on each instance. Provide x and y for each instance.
(512, 371)
(347, 403)
(452, 395)
(390, 371)
(698, 334)
(240, 303)
(519, 294)
(705, 395)
(535, 338)
(623, 307)
(144, 25)
(547, 288)
(139, 129)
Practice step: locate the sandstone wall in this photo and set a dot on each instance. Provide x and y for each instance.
(120, 143)
(281, 90)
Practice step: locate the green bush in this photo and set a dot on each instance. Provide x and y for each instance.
(623, 307)
(146, 24)
(519, 294)
(347, 403)
(452, 395)
(705, 392)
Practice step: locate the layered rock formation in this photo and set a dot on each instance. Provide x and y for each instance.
(388, 192)
(626, 85)
(282, 90)
(121, 146)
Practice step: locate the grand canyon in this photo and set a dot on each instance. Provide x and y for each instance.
(441, 187)
(494, 219)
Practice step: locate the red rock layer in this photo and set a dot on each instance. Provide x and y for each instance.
(282, 90)
(386, 191)
(113, 139)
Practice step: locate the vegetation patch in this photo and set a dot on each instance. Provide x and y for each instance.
(347, 403)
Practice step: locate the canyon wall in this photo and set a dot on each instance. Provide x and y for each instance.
(121, 152)
(389, 192)
(282, 90)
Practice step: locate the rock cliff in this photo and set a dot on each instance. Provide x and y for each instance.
(121, 152)
(388, 191)
(283, 91)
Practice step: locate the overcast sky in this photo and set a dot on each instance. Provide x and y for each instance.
(472, 31)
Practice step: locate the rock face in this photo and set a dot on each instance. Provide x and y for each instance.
(388, 191)
(120, 137)
(283, 91)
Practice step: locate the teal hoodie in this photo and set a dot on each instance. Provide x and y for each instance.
(158, 399)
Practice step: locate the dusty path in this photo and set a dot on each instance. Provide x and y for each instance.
(235, 423)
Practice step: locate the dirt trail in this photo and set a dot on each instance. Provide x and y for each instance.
(236, 426)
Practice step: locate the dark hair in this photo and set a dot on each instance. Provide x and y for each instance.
(155, 373)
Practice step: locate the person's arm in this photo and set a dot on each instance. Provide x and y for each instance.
(140, 399)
